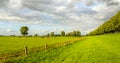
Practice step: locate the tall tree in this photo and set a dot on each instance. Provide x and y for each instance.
(78, 33)
(24, 30)
(62, 33)
(48, 34)
(74, 33)
(35, 35)
(52, 34)
(71, 33)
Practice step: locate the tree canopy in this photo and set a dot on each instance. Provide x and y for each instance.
(24, 30)
(62, 33)
(74, 33)
(52, 34)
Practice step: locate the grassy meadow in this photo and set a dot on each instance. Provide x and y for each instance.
(94, 49)
(13, 44)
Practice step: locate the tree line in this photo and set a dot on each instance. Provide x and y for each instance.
(24, 32)
(63, 33)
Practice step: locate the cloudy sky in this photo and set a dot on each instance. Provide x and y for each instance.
(43, 16)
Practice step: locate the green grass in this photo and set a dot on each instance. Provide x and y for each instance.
(13, 44)
(95, 49)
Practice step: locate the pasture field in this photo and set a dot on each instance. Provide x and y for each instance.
(94, 49)
(14, 44)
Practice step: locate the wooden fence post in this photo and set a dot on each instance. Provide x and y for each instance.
(26, 51)
(46, 47)
(64, 44)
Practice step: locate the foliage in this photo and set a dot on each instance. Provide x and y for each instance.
(74, 33)
(52, 34)
(36, 35)
(111, 26)
(57, 34)
(78, 33)
(62, 33)
(48, 34)
(24, 30)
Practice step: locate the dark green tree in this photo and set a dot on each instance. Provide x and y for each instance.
(78, 33)
(35, 35)
(24, 30)
(74, 33)
(68, 34)
(52, 34)
(48, 34)
(71, 33)
(62, 33)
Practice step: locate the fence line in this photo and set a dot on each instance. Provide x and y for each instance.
(42, 48)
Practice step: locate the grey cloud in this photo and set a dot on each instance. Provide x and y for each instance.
(41, 5)
(113, 3)
(3, 3)
(89, 2)
(109, 2)
(38, 1)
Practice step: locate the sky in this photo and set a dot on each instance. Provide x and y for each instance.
(44, 16)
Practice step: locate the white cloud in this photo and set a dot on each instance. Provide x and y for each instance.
(15, 4)
(104, 12)
(10, 18)
(60, 8)
(88, 2)
(8, 30)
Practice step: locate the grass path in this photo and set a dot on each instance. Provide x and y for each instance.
(95, 49)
